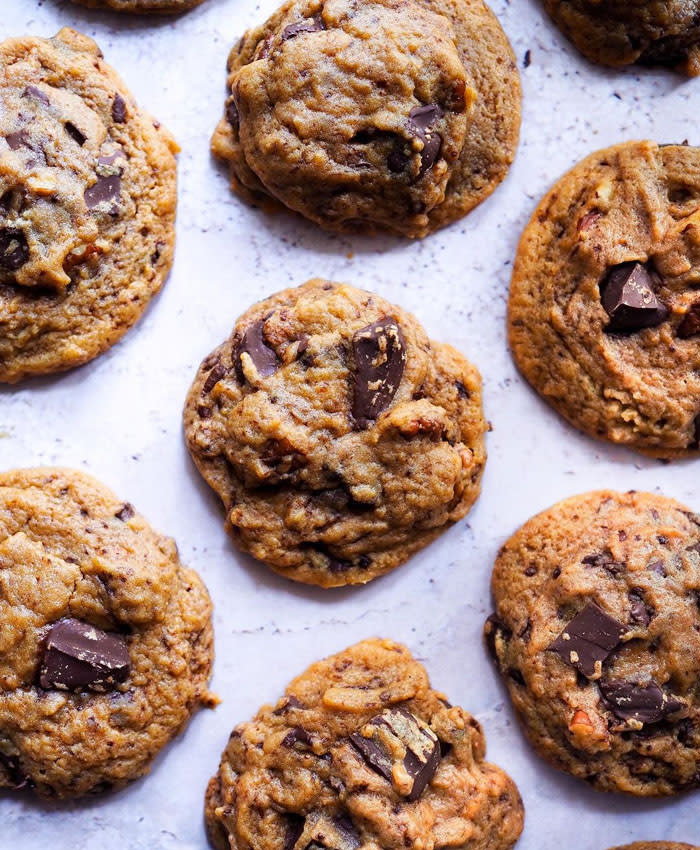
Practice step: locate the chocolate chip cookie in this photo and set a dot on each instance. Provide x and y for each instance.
(621, 32)
(656, 845)
(597, 635)
(604, 310)
(360, 752)
(141, 6)
(87, 205)
(339, 437)
(106, 639)
(383, 115)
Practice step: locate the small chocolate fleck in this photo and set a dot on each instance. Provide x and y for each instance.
(78, 655)
(380, 359)
(394, 731)
(118, 109)
(252, 343)
(644, 703)
(588, 639)
(14, 250)
(628, 296)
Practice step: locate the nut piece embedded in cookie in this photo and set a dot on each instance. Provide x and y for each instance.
(387, 115)
(382, 756)
(603, 312)
(106, 640)
(340, 439)
(87, 205)
(597, 635)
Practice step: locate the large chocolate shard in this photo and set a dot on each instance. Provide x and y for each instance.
(78, 656)
(380, 360)
(401, 748)
(327, 832)
(253, 344)
(588, 640)
(627, 294)
(643, 703)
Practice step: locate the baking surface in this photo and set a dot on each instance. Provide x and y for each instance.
(119, 418)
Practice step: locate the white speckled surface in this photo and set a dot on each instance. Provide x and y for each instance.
(119, 418)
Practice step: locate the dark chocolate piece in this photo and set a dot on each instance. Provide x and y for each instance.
(690, 326)
(232, 115)
(297, 735)
(375, 743)
(14, 250)
(644, 703)
(588, 640)
(327, 832)
(37, 94)
(494, 628)
(12, 768)
(628, 296)
(18, 140)
(118, 109)
(293, 30)
(79, 656)
(380, 359)
(421, 121)
(125, 512)
(640, 612)
(75, 134)
(253, 344)
(107, 189)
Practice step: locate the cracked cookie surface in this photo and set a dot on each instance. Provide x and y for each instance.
(87, 205)
(374, 116)
(106, 639)
(141, 6)
(620, 32)
(360, 752)
(604, 313)
(339, 437)
(596, 632)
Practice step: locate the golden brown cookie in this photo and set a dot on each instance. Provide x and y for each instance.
(621, 32)
(340, 439)
(604, 313)
(597, 634)
(361, 753)
(87, 205)
(656, 845)
(386, 115)
(105, 638)
(141, 6)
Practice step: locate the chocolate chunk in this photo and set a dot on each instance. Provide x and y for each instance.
(298, 735)
(37, 94)
(397, 160)
(18, 140)
(690, 326)
(215, 375)
(324, 832)
(12, 767)
(75, 133)
(289, 702)
(252, 343)
(628, 297)
(640, 612)
(293, 30)
(380, 359)
(588, 640)
(421, 121)
(294, 826)
(107, 189)
(604, 560)
(232, 115)
(14, 251)
(494, 629)
(118, 109)
(125, 512)
(462, 391)
(645, 703)
(78, 656)
(393, 731)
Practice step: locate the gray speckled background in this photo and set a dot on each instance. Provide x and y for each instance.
(119, 418)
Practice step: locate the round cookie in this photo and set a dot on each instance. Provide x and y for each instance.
(656, 845)
(597, 635)
(388, 115)
(620, 32)
(141, 6)
(604, 313)
(106, 639)
(361, 753)
(339, 437)
(87, 205)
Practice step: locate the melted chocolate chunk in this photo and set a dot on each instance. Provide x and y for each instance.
(125, 512)
(293, 30)
(18, 140)
(14, 251)
(252, 343)
(118, 109)
(232, 115)
(79, 656)
(640, 612)
(396, 729)
(494, 629)
(380, 359)
(75, 134)
(106, 190)
(37, 94)
(12, 768)
(628, 296)
(690, 326)
(215, 375)
(588, 640)
(294, 826)
(644, 703)
(298, 735)
(421, 121)
(324, 832)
